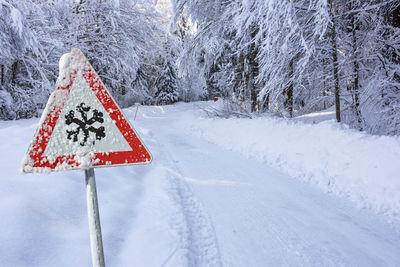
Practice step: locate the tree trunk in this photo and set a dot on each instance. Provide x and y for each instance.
(242, 77)
(335, 62)
(356, 68)
(396, 23)
(252, 89)
(14, 69)
(289, 100)
(253, 71)
(1, 76)
(265, 103)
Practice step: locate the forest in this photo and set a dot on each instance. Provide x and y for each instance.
(280, 57)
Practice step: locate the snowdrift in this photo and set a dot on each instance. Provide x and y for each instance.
(361, 167)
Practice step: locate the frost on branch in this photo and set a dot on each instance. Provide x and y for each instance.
(84, 124)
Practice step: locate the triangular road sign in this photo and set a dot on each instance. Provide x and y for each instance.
(82, 126)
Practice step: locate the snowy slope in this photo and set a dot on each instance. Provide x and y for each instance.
(209, 198)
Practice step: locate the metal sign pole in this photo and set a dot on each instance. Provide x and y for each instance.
(96, 242)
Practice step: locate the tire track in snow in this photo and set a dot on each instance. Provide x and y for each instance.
(197, 240)
(202, 247)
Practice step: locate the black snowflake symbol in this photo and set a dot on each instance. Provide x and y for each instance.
(85, 124)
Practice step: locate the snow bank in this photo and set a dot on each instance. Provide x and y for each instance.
(345, 162)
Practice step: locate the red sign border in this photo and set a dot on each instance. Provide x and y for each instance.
(138, 155)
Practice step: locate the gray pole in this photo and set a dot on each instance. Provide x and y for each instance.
(96, 242)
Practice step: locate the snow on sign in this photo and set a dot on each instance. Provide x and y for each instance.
(82, 126)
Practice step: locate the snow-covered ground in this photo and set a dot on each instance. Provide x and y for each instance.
(315, 149)
(235, 192)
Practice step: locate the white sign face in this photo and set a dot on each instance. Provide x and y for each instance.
(84, 125)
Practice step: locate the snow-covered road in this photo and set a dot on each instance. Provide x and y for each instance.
(197, 204)
(262, 217)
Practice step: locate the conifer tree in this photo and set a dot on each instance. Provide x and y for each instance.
(166, 85)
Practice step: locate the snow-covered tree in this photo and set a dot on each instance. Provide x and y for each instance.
(379, 78)
(119, 38)
(114, 35)
(166, 85)
(288, 57)
(199, 28)
(20, 70)
(298, 56)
